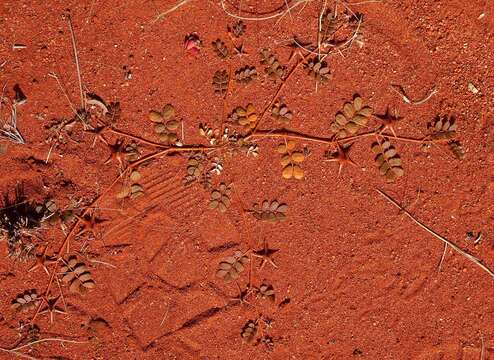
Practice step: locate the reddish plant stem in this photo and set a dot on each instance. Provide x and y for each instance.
(280, 88)
(283, 133)
(225, 99)
(65, 243)
(137, 138)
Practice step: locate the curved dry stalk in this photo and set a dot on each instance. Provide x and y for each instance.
(283, 133)
(17, 353)
(178, 5)
(273, 99)
(401, 92)
(173, 149)
(48, 340)
(436, 235)
(10, 131)
(76, 58)
(277, 14)
(290, 135)
(225, 98)
(319, 26)
(365, 2)
(244, 214)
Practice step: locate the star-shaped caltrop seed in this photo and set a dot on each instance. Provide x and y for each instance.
(117, 153)
(296, 45)
(243, 294)
(266, 255)
(98, 133)
(43, 260)
(89, 223)
(51, 307)
(389, 120)
(239, 50)
(342, 157)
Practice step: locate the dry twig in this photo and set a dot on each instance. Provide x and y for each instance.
(163, 14)
(433, 233)
(76, 59)
(400, 91)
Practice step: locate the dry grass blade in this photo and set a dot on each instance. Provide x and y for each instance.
(48, 340)
(231, 267)
(9, 131)
(280, 13)
(401, 92)
(387, 160)
(19, 354)
(173, 8)
(76, 59)
(436, 235)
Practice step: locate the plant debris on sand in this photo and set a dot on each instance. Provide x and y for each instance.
(214, 180)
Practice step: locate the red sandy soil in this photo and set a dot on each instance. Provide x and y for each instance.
(361, 278)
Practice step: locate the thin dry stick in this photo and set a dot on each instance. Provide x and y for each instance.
(319, 30)
(244, 215)
(288, 7)
(290, 12)
(225, 98)
(442, 258)
(103, 263)
(76, 57)
(329, 141)
(165, 314)
(278, 14)
(482, 348)
(273, 99)
(17, 353)
(48, 340)
(59, 83)
(365, 2)
(399, 90)
(172, 9)
(433, 233)
(171, 149)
